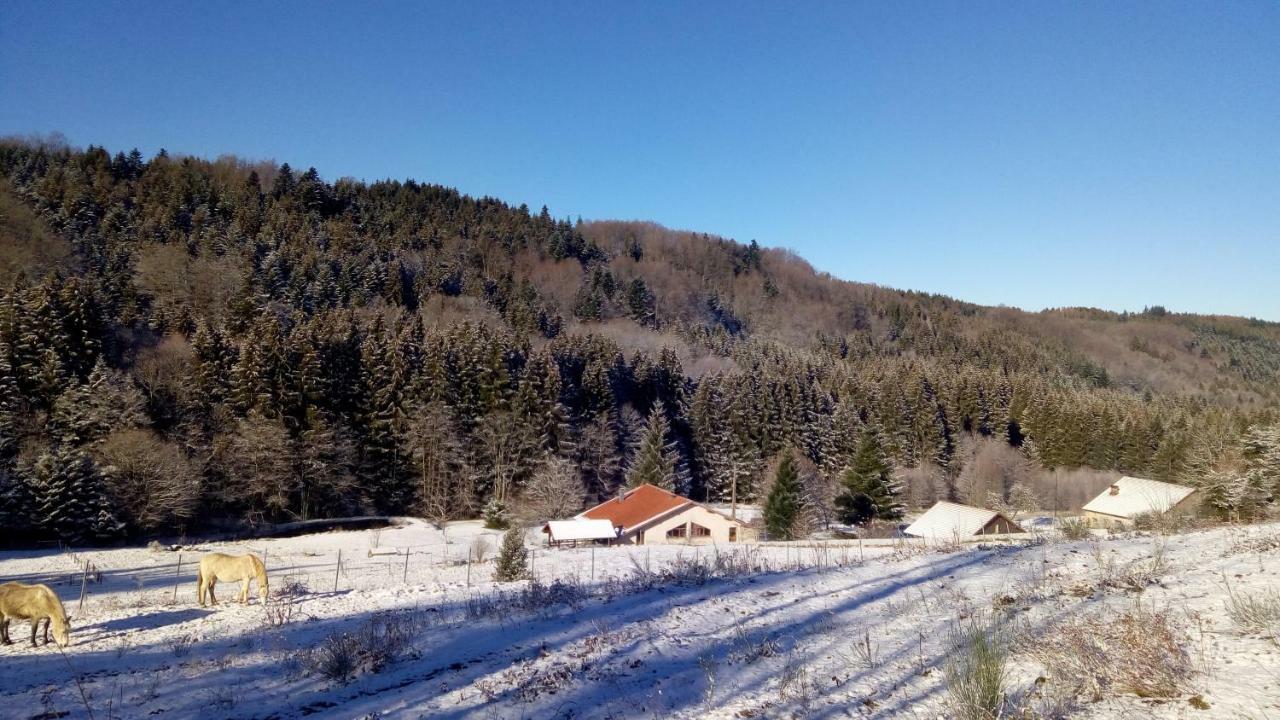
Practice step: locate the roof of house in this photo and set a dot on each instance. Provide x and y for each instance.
(580, 530)
(636, 506)
(640, 506)
(953, 520)
(1135, 496)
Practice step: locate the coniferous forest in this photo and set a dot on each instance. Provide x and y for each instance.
(187, 344)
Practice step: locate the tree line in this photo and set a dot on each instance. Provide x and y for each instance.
(237, 343)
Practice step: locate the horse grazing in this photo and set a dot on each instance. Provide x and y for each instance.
(231, 568)
(34, 603)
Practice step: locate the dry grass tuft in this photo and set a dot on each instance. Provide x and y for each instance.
(1074, 529)
(977, 673)
(1255, 613)
(1139, 652)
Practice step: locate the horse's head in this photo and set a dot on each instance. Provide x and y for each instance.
(61, 631)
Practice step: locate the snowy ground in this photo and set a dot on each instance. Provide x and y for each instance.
(777, 634)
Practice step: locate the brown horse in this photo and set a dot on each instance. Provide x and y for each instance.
(34, 603)
(231, 568)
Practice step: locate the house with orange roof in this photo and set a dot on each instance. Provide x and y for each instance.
(649, 515)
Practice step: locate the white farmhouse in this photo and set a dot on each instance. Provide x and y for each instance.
(1130, 497)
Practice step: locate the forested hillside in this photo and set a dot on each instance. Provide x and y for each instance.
(186, 342)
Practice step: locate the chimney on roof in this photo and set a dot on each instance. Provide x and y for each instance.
(1115, 489)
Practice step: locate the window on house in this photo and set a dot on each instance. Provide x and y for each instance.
(699, 531)
(676, 532)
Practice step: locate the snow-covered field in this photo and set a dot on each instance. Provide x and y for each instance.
(776, 632)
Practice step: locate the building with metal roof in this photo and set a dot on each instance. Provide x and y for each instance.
(953, 521)
(1129, 498)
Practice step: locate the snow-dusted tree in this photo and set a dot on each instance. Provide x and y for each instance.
(782, 508)
(105, 401)
(1261, 450)
(513, 559)
(324, 463)
(17, 506)
(597, 456)
(655, 460)
(257, 460)
(154, 485)
(818, 493)
(555, 491)
(870, 491)
(70, 500)
(433, 446)
(496, 516)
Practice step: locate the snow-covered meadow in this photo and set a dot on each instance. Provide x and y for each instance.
(652, 632)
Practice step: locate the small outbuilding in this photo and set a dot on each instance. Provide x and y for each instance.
(650, 515)
(577, 531)
(1129, 498)
(953, 521)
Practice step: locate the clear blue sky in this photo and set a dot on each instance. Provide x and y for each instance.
(1113, 154)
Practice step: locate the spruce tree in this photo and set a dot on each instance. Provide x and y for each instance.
(70, 502)
(655, 460)
(17, 506)
(496, 515)
(869, 490)
(513, 560)
(783, 504)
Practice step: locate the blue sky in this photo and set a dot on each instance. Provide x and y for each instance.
(1036, 154)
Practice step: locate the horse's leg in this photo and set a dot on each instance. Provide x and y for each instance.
(244, 592)
(46, 629)
(35, 622)
(213, 599)
(4, 631)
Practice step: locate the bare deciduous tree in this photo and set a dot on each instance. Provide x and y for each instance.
(554, 491)
(154, 484)
(257, 460)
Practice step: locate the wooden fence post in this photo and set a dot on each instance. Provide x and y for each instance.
(84, 584)
(468, 567)
(406, 565)
(337, 570)
(176, 573)
(593, 563)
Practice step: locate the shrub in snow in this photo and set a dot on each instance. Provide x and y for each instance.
(513, 559)
(496, 516)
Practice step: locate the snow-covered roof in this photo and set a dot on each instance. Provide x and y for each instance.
(1131, 496)
(948, 520)
(580, 530)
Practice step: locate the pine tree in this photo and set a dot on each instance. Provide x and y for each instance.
(783, 504)
(496, 516)
(105, 401)
(655, 460)
(869, 489)
(513, 559)
(17, 506)
(70, 502)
